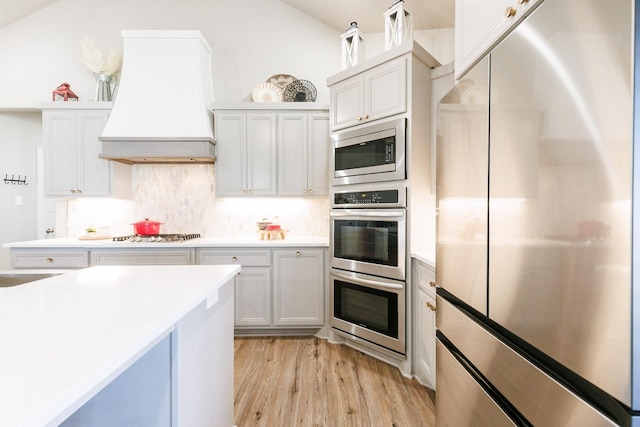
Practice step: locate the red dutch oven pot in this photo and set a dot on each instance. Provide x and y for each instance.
(146, 227)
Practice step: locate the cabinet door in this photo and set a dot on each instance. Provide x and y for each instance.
(231, 144)
(385, 90)
(347, 102)
(319, 149)
(299, 283)
(480, 25)
(59, 144)
(253, 297)
(426, 340)
(261, 154)
(292, 155)
(93, 173)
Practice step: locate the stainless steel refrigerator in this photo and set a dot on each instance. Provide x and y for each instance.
(538, 189)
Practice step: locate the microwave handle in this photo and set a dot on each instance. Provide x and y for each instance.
(367, 282)
(367, 214)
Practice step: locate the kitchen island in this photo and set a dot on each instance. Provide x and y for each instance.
(107, 345)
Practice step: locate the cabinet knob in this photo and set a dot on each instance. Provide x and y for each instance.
(238, 273)
(72, 191)
(49, 259)
(78, 191)
(431, 306)
(304, 191)
(523, 1)
(359, 118)
(310, 191)
(234, 258)
(298, 253)
(432, 284)
(366, 116)
(249, 191)
(509, 12)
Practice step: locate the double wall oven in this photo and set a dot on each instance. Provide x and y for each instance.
(368, 226)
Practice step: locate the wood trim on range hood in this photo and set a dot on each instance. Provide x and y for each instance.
(162, 111)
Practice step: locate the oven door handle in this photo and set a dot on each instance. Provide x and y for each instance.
(381, 214)
(367, 282)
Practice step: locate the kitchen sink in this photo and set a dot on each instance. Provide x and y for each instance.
(14, 279)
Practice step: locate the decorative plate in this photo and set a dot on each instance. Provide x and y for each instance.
(300, 91)
(281, 80)
(266, 92)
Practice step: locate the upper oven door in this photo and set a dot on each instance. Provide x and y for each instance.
(370, 153)
(369, 241)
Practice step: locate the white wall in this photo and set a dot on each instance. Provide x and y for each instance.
(251, 40)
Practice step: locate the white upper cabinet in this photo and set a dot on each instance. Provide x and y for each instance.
(71, 148)
(374, 94)
(272, 152)
(481, 25)
(303, 154)
(246, 154)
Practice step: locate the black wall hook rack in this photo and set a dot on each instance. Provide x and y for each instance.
(13, 180)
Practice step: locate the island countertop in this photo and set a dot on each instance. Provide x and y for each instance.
(65, 337)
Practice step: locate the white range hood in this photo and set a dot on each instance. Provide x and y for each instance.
(162, 111)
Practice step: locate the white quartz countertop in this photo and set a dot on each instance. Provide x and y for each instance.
(66, 337)
(426, 256)
(201, 242)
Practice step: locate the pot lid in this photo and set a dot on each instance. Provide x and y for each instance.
(147, 221)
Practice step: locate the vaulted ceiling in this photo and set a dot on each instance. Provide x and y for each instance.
(338, 14)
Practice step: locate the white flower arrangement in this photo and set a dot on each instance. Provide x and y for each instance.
(95, 60)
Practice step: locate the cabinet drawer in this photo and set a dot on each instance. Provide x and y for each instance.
(245, 257)
(425, 277)
(159, 256)
(46, 258)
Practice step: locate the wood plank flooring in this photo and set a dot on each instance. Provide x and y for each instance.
(306, 381)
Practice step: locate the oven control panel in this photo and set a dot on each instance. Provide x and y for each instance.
(366, 197)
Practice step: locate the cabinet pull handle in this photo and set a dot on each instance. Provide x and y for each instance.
(49, 259)
(431, 306)
(432, 284)
(523, 1)
(366, 116)
(509, 12)
(298, 253)
(234, 258)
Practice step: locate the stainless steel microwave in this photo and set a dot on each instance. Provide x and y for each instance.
(369, 153)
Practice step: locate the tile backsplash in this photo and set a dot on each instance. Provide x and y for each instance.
(182, 197)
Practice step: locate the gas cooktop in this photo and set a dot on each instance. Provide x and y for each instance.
(157, 238)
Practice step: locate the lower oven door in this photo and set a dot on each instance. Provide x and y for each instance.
(370, 308)
(370, 241)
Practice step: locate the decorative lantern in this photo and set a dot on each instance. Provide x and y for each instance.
(352, 46)
(64, 93)
(398, 25)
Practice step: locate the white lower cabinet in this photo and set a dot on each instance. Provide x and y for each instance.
(253, 297)
(49, 258)
(298, 287)
(154, 256)
(276, 288)
(425, 325)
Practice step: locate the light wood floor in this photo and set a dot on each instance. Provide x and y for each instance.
(306, 381)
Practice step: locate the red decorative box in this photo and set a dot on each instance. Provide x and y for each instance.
(64, 93)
